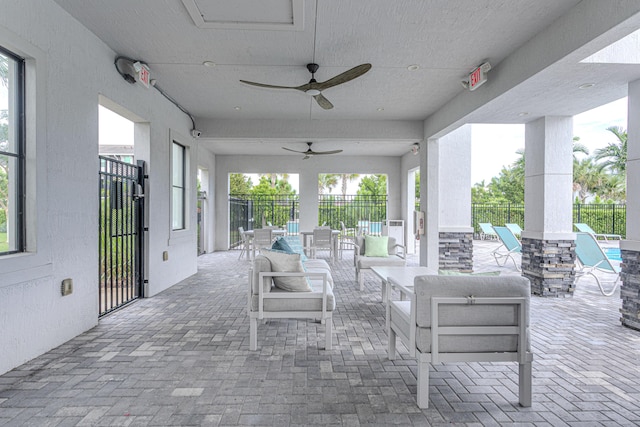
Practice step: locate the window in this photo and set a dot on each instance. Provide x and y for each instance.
(11, 153)
(178, 183)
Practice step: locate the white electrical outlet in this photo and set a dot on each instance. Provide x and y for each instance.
(67, 287)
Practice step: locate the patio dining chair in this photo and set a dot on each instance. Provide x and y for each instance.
(510, 244)
(346, 237)
(322, 239)
(584, 228)
(591, 258)
(362, 228)
(244, 246)
(262, 238)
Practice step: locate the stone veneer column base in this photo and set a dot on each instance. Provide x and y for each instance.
(630, 289)
(549, 265)
(456, 251)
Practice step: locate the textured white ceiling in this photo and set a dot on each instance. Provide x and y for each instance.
(446, 39)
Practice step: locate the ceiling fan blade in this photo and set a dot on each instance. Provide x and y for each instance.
(344, 77)
(270, 86)
(323, 102)
(315, 153)
(295, 151)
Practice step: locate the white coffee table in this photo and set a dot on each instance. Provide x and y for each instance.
(402, 276)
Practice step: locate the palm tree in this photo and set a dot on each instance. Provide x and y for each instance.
(346, 179)
(615, 153)
(4, 70)
(613, 188)
(275, 177)
(587, 177)
(327, 181)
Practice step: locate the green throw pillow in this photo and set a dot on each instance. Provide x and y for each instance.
(376, 246)
(459, 273)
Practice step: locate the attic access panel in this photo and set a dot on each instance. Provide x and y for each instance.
(247, 14)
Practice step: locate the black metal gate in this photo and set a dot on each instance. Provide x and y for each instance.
(121, 232)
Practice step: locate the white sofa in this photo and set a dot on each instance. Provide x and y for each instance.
(267, 301)
(464, 319)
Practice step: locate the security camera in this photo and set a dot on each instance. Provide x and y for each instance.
(196, 133)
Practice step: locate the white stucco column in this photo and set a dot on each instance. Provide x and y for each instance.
(429, 177)
(308, 201)
(548, 249)
(455, 231)
(630, 289)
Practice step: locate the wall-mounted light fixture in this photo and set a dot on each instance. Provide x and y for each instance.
(415, 148)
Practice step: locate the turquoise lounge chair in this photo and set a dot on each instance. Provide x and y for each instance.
(487, 231)
(515, 229)
(584, 228)
(510, 244)
(591, 258)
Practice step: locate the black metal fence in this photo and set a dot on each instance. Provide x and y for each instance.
(121, 232)
(251, 212)
(603, 218)
(351, 210)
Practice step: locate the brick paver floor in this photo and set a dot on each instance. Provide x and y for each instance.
(182, 358)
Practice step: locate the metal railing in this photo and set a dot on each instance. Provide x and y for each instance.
(351, 210)
(603, 218)
(251, 212)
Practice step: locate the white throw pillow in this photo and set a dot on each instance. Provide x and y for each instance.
(283, 262)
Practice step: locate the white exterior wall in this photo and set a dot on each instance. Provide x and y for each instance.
(455, 181)
(409, 164)
(207, 161)
(308, 171)
(71, 68)
(429, 198)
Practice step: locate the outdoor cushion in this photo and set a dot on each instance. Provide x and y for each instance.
(296, 246)
(371, 261)
(283, 262)
(261, 264)
(391, 244)
(376, 246)
(282, 245)
(460, 273)
(297, 304)
(478, 286)
(317, 266)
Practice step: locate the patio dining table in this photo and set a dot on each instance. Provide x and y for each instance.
(401, 278)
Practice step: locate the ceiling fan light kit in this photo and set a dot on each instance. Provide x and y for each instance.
(315, 88)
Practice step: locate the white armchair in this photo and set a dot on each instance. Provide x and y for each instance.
(393, 256)
(463, 319)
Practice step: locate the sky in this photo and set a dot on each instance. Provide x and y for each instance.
(493, 145)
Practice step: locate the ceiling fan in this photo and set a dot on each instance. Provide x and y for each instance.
(315, 88)
(310, 152)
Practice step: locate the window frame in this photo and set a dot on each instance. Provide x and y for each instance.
(183, 187)
(17, 121)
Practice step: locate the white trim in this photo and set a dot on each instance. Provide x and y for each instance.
(455, 229)
(538, 235)
(630, 245)
(177, 236)
(36, 261)
(296, 24)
